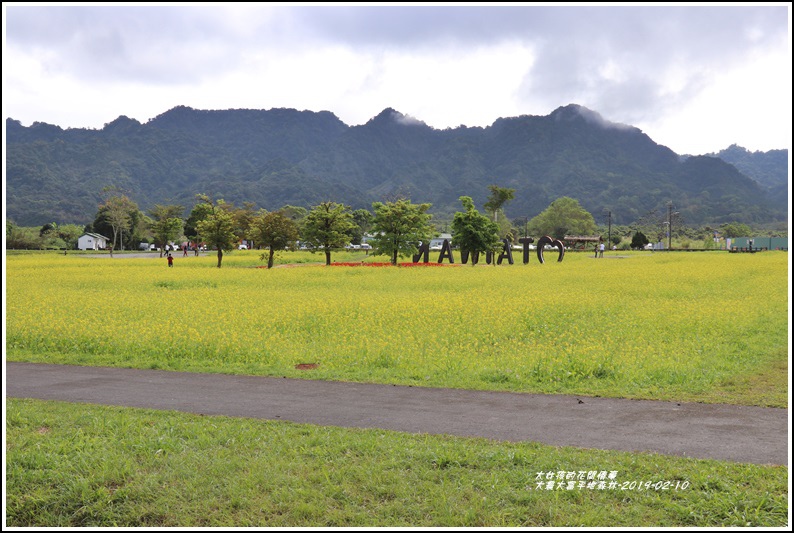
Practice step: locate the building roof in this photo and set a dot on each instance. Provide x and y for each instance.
(94, 235)
(582, 238)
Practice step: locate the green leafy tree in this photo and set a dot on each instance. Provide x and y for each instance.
(399, 227)
(639, 240)
(275, 231)
(199, 212)
(474, 232)
(736, 229)
(243, 220)
(363, 220)
(167, 224)
(20, 238)
(50, 238)
(499, 197)
(563, 216)
(217, 228)
(327, 227)
(48, 228)
(69, 233)
(294, 213)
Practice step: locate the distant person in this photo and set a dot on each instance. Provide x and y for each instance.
(184, 250)
(601, 250)
(170, 260)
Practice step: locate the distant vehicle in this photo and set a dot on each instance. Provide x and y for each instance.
(242, 247)
(353, 247)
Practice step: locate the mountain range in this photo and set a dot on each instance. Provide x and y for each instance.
(280, 157)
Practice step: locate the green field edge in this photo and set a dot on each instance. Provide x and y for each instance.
(78, 465)
(765, 388)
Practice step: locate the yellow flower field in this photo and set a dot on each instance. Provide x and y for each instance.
(686, 326)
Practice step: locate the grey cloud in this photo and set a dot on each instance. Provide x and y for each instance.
(179, 44)
(697, 30)
(146, 43)
(647, 45)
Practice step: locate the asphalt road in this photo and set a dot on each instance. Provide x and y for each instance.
(725, 432)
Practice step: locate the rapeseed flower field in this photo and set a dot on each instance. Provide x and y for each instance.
(677, 326)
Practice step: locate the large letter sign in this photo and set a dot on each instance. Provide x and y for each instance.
(554, 242)
(423, 253)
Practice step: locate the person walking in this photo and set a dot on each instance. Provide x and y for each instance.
(601, 250)
(170, 260)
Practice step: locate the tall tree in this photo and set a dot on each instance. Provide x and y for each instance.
(275, 231)
(363, 220)
(473, 232)
(54, 235)
(119, 212)
(499, 197)
(638, 241)
(217, 228)
(563, 216)
(243, 220)
(167, 224)
(399, 227)
(199, 212)
(327, 227)
(69, 233)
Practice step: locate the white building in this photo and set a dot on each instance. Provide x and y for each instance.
(92, 241)
(437, 242)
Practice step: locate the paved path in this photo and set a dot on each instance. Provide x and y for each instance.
(725, 432)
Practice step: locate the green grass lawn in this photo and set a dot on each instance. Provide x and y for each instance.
(71, 465)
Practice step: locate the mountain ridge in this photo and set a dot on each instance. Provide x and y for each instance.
(285, 156)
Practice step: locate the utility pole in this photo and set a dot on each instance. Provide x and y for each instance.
(609, 230)
(670, 225)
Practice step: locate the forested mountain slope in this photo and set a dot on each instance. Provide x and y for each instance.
(283, 156)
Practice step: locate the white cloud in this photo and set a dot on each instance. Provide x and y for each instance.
(692, 77)
(749, 105)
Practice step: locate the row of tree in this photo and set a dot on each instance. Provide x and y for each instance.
(397, 226)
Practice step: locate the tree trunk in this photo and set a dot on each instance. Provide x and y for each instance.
(327, 257)
(394, 258)
(220, 256)
(270, 258)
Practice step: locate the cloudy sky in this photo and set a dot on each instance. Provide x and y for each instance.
(696, 78)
